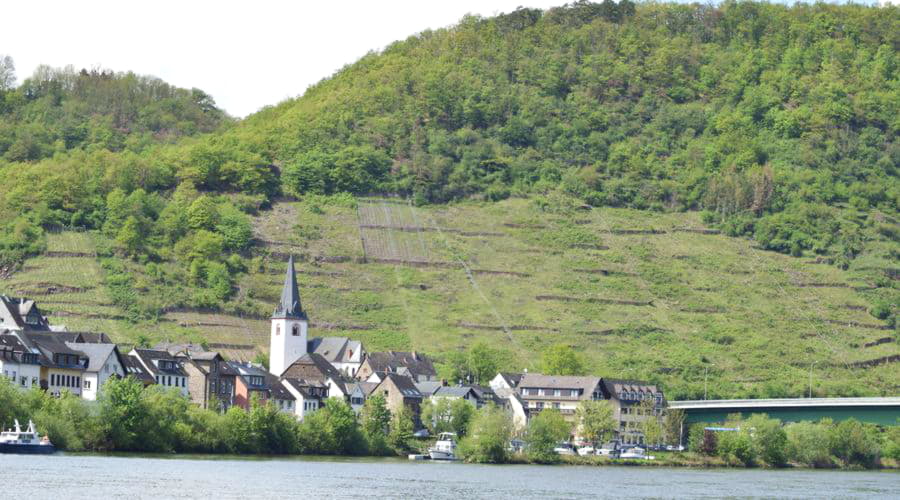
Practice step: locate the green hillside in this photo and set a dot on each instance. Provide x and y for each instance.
(525, 144)
(639, 294)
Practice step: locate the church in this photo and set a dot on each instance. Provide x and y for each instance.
(290, 342)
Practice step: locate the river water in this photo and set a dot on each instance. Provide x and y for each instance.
(61, 477)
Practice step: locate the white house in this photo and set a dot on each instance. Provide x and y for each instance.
(103, 361)
(308, 396)
(18, 364)
(344, 354)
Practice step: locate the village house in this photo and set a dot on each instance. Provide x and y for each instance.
(101, 362)
(563, 393)
(254, 382)
(414, 365)
(399, 391)
(18, 364)
(165, 369)
(20, 314)
(633, 402)
(62, 367)
(359, 392)
(211, 381)
(308, 396)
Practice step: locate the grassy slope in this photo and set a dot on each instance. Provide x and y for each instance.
(716, 301)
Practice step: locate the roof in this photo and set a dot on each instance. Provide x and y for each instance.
(247, 369)
(303, 386)
(11, 348)
(97, 354)
(454, 392)
(536, 380)
(428, 388)
(615, 387)
(147, 356)
(134, 368)
(175, 348)
(512, 379)
(314, 367)
(334, 349)
(403, 384)
(392, 361)
(277, 390)
(289, 306)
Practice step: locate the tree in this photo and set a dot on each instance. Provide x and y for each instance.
(461, 412)
(561, 359)
(596, 420)
(673, 425)
(808, 443)
(402, 428)
(769, 439)
(854, 443)
(489, 436)
(545, 431)
(7, 73)
(331, 430)
(650, 424)
(376, 422)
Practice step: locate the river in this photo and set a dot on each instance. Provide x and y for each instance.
(68, 476)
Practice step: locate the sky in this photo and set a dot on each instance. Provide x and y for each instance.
(246, 54)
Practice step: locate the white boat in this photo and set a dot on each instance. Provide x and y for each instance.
(564, 449)
(586, 451)
(444, 448)
(28, 441)
(635, 453)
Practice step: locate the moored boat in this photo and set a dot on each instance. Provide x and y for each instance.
(444, 448)
(28, 441)
(635, 453)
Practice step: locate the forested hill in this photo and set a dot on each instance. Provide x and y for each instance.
(745, 109)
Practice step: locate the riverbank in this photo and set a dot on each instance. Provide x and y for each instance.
(694, 460)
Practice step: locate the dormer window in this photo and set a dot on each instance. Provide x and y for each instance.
(255, 380)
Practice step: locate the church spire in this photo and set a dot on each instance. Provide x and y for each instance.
(290, 307)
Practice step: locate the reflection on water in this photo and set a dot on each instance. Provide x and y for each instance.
(96, 476)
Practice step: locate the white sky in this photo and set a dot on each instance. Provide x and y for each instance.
(246, 54)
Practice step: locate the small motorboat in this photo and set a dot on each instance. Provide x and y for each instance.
(564, 449)
(444, 448)
(586, 450)
(635, 453)
(28, 441)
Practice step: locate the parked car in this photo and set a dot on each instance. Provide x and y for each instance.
(673, 447)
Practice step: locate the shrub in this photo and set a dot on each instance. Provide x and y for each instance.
(545, 431)
(489, 435)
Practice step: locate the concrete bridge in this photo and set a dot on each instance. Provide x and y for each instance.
(882, 411)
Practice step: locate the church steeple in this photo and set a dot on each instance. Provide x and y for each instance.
(290, 307)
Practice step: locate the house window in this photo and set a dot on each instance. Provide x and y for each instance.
(87, 384)
(277, 330)
(24, 381)
(295, 331)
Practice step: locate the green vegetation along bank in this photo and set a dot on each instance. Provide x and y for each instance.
(130, 417)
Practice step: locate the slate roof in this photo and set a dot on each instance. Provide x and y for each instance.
(538, 381)
(147, 356)
(96, 354)
(616, 387)
(134, 368)
(404, 384)
(12, 349)
(415, 364)
(334, 349)
(289, 306)
(454, 392)
(429, 387)
(512, 379)
(277, 390)
(303, 386)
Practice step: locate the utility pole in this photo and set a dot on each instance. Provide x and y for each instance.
(810, 377)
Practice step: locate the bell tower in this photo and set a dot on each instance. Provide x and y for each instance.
(289, 326)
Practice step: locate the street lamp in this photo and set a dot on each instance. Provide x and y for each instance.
(706, 380)
(810, 377)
